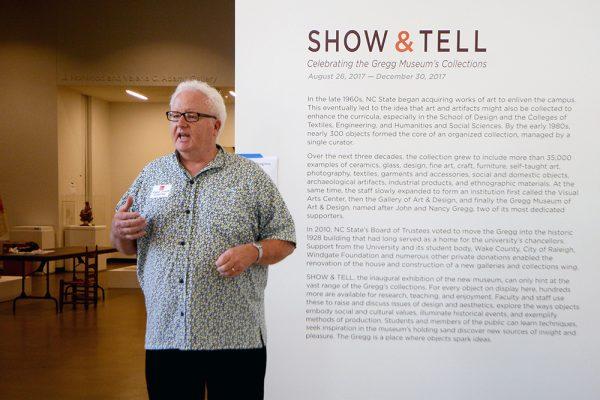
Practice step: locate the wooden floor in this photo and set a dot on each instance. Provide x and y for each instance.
(93, 354)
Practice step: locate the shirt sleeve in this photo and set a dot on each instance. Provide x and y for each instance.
(274, 218)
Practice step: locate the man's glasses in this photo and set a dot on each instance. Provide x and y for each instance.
(189, 116)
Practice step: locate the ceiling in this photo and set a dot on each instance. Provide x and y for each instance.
(155, 94)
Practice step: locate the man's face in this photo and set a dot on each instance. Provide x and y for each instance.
(193, 137)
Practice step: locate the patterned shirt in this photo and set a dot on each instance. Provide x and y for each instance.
(192, 220)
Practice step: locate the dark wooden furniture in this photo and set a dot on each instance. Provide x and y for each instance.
(83, 287)
(60, 253)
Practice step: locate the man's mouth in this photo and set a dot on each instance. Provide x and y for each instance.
(182, 135)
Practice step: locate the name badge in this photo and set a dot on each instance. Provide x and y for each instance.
(159, 191)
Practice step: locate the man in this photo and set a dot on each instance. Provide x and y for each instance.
(205, 224)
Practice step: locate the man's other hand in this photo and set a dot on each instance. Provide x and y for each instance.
(127, 226)
(236, 260)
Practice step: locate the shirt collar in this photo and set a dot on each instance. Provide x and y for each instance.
(217, 162)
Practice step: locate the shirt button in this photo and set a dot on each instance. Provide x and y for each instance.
(182, 314)
(187, 211)
(191, 181)
(181, 281)
(182, 243)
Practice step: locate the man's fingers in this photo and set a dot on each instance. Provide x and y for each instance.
(229, 269)
(127, 205)
(225, 267)
(223, 258)
(226, 264)
(235, 260)
(135, 236)
(122, 215)
(129, 223)
(129, 228)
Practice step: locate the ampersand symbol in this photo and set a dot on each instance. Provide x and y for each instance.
(402, 41)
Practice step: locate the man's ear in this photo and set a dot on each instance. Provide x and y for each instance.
(217, 126)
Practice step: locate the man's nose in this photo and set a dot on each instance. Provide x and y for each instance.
(181, 121)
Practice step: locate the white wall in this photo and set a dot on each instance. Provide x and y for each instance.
(227, 137)
(101, 168)
(71, 130)
(72, 161)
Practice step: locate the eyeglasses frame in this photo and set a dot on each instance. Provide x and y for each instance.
(185, 114)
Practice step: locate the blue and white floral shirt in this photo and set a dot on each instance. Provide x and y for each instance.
(191, 222)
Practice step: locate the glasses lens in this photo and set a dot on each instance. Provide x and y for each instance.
(173, 116)
(191, 116)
